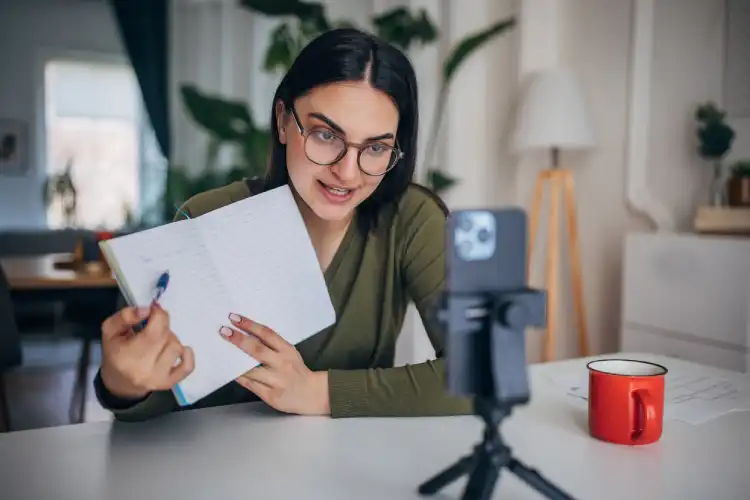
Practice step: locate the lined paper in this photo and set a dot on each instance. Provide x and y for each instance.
(253, 257)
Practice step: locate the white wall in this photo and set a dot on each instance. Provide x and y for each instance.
(686, 68)
(593, 38)
(29, 30)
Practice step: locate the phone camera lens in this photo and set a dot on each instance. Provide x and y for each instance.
(465, 224)
(483, 235)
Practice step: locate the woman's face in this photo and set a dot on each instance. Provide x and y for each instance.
(332, 115)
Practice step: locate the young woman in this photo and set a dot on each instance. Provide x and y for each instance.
(344, 125)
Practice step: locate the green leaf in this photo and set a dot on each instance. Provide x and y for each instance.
(741, 169)
(255, 151)
(313, 12)
(471, 44)
(714, 135)
(282, 50)
(439, 181)
(225, 120)
(401, 28)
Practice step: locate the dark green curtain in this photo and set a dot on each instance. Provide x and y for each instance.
(144, 29)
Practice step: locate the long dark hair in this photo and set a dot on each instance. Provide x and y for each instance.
(351, 55)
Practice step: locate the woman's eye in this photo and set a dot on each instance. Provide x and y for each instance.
(376, 149)
(324, 135)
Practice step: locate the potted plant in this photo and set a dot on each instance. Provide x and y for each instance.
(738, 185)
(715, 139)
(60, 188)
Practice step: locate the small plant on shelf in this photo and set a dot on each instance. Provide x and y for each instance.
(738, 185)
(715, 139)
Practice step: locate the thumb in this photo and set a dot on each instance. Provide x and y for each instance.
(123, 321)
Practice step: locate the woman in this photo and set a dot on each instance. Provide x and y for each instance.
(344, 127)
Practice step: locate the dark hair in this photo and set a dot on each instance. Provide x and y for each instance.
(351, 55)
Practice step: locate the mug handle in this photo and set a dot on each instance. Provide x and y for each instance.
(645, 415)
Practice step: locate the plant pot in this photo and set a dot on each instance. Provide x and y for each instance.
(738, 191)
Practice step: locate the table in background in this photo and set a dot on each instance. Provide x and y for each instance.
(87, 294)
(42, 273)
(249, 451)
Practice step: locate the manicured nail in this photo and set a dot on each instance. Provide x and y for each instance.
(142, 312)
(226, 331)
(235, 318)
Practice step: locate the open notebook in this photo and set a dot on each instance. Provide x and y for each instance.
(253, 257)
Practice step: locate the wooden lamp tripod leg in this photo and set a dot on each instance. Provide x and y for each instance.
(536, 207)
(552, 178)
(575, 262)
(553, 261)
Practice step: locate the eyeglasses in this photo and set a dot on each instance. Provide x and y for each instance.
(324, 147)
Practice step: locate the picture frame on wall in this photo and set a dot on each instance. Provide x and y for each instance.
(14, 147)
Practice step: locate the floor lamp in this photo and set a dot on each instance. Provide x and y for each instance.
(553, 117)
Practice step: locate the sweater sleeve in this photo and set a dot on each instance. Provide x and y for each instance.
(411, 390)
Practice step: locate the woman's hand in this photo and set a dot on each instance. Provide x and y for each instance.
(133, 365)
(283, 380)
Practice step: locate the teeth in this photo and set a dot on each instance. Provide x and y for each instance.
(337, 190)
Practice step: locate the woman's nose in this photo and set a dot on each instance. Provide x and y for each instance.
(346, 168)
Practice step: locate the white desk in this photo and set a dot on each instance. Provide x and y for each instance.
(248, 452)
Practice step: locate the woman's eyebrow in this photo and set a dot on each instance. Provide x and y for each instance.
(340, 130)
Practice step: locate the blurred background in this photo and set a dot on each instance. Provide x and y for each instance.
(112, 112)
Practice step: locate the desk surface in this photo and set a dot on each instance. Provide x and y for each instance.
(30, 273)
(248, 451)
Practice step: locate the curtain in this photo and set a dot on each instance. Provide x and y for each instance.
(144, 29)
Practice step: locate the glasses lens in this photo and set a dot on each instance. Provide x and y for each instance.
(377, 158)
(323, 147)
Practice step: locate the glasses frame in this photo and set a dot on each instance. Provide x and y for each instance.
(347, 144)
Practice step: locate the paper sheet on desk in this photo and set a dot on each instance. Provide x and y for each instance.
(693, 399)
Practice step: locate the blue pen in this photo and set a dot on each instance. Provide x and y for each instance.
(161, 287)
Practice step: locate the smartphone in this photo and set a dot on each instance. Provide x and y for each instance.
(485, 268)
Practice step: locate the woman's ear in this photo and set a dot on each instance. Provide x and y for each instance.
(281, 119)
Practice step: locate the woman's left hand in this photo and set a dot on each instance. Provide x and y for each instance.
(282, 380)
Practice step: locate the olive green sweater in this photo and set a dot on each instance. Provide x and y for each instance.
(371, 280)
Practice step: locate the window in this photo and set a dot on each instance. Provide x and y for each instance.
(96, 124)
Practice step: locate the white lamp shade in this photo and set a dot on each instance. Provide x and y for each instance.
(553, 114)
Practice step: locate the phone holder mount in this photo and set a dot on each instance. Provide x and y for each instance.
(487, 337)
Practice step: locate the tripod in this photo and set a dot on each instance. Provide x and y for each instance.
(484, 465)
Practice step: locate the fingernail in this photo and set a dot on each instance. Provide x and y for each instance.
(227, 332)
(142, 312)
(235, 317)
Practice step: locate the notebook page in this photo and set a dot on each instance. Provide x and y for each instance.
(267, 262)
(196, 299)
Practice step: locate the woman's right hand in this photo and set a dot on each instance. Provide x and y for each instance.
(136, 364)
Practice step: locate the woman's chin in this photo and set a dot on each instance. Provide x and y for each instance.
(332, 213)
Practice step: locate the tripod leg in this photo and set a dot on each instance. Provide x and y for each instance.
(447, 476)
(482, 480)
(537, 481)
(575, 262)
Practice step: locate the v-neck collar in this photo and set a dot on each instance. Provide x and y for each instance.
(338, 257)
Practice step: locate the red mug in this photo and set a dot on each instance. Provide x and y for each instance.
(626, 401)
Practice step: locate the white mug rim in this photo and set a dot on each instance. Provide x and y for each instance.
(591, 367)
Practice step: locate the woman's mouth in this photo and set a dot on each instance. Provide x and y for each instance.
(335, 194)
